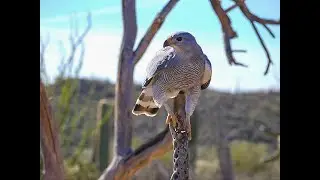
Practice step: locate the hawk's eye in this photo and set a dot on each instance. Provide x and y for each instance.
(179, 38)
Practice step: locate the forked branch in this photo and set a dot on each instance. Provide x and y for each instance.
(229, 33)
(245, 10)
(264, 22)
(76, 40)
(129, 165)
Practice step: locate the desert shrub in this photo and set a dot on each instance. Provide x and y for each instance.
(81, 170)
(246, 156)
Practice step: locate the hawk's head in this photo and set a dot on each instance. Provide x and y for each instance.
(182, 40)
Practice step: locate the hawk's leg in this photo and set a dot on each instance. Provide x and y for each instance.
(161, 98)
(192, 97)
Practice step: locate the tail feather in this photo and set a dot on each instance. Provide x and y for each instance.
(145, 105)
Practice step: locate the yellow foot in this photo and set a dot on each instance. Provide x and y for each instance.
(172, 119)
(168, 120)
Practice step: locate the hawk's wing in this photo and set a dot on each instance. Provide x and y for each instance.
(164, 59)
(207, 74)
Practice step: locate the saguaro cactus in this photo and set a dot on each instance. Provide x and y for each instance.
(102, 136)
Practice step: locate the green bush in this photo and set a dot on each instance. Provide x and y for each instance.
(246, 156)
(81, 171)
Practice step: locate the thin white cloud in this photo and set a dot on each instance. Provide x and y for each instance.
(108, 10)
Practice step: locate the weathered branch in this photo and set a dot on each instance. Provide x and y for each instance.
(230, 8)
(228, 32)
(124, 168)
(229, 52)
(245, 10)
(53, 161)
(264, 47)
(153, 29)
(224, 19)
(253, 18)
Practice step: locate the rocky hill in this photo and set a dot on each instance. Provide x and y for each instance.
(236, 111)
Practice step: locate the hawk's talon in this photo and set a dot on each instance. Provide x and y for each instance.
(168, 120)
(172, 119)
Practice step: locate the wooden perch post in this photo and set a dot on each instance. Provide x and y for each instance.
(53, 162)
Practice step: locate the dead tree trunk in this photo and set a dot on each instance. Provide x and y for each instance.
(50, 145)
(125, 161)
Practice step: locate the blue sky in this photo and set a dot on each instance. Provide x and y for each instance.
(103, 41)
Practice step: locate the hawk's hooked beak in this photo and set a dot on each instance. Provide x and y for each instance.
(167, 42)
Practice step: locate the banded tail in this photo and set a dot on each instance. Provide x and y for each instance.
(145, 105)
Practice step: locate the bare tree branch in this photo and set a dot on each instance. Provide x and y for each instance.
(230, 8)
(224, 19)
(75, 41)
(124, 168)
(228, 32)
(153, 29)
(269, 30)
(245, 10)
(253, 18)
(229, 52)
(264, 47)
(50, 140)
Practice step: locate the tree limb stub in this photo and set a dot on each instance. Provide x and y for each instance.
(228, 32)
(153, 29)
(126, 167)
(50, 140)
